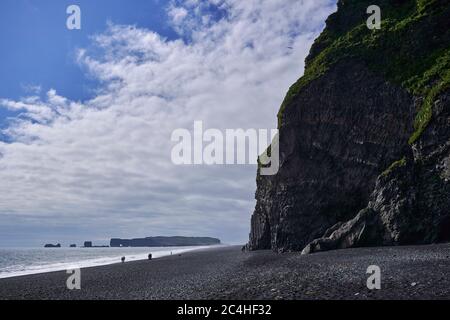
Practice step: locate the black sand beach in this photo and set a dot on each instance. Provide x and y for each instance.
(419, 272)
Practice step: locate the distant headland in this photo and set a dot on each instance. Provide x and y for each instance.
(164, 242)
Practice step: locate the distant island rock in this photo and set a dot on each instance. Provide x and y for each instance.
(164, 242)
(49, 245)
(88, 244)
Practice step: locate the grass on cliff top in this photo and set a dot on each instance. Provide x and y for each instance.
(396, 164)
(412, 49)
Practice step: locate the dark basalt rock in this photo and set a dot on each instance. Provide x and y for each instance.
(340, 131)
(410, 203)
(351, 125)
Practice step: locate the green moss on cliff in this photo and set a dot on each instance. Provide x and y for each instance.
(412, 48)
(440, 75)
(396, 164)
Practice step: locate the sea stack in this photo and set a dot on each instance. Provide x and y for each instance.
(88, 244)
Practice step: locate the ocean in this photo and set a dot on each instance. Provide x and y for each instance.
(23, 261)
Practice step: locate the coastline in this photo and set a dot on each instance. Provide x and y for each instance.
(413, 272)
(103, 261)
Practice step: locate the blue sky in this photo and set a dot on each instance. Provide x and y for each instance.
(38, 49)
(89, 156)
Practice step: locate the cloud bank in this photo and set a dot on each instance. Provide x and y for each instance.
(102, 167)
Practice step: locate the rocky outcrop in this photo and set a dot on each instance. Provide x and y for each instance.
(164, 242)
(364, 152)
(330, 155)
(411, 201)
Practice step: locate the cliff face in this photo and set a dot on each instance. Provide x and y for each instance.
(364, 136)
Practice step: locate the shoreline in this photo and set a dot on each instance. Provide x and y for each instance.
(96, 262)
(412, 272)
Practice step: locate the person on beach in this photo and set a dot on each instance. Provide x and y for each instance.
(123, 259)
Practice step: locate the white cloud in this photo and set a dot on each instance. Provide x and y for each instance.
(105, 163)
(177, 14)
(32, 89)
